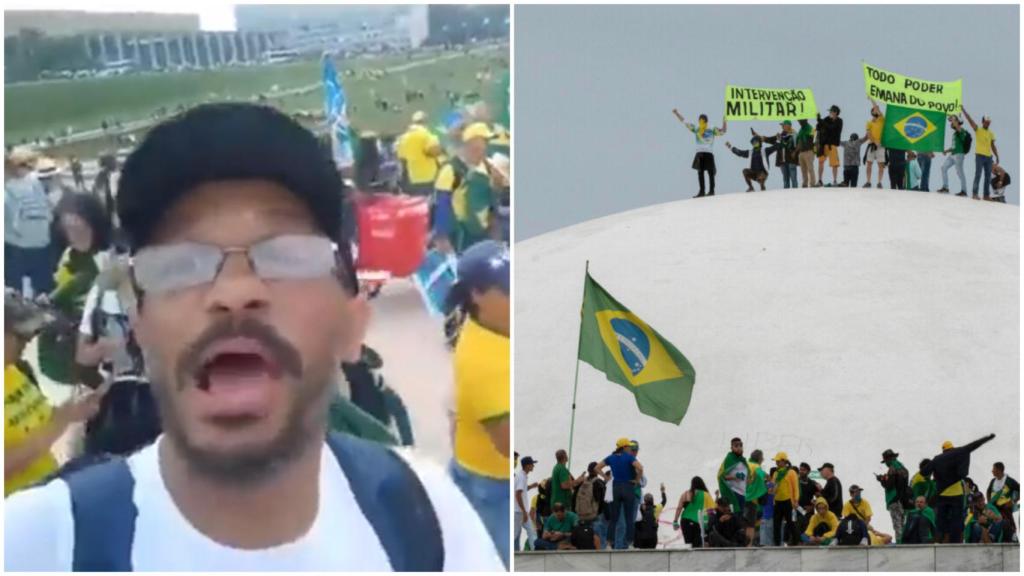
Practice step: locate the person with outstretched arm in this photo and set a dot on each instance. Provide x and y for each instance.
(704, 159)
(875, 153)
(984, 149)
(757, 170)
(950, 468)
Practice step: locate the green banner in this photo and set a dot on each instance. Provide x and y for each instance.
(909, 129)
(633, 355)
(769, 103)
(892, 88)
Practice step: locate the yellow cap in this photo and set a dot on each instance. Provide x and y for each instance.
(622, 443)
(419, 116)
(947, 445)
(477, 130)
(781, 456)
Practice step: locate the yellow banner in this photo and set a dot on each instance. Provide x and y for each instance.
(769, 103)
(893, 88)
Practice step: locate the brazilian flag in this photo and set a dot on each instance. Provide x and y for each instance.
(912, 129)
(634, 355)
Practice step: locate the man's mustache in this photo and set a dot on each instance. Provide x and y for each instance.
(283, 353)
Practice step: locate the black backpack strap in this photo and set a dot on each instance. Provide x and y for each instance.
(394, 501)
(104, 512)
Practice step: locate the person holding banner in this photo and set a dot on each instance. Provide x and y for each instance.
(924, 160)
(983, 151)
(704, 159)
(875, 153)
(783, 145)
(805, 152)
(829, 134)
(961, 143)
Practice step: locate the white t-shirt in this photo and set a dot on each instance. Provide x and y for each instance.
(739, 482)
(522, 483)
(998, 483)
(40, 529)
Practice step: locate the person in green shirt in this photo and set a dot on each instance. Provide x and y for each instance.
(895, 483)
(557, 529)
(920, 525)
(958, 151)
(562, 481)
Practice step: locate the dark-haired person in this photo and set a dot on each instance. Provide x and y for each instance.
(1000, 180)
(1003, 492)
(27, 218)
(805, 152)
(830, 132)
(757, 171)
(691, 513)
(83, 224)
(958, 149)
(704, 159)
(851, 160)
(921, 484)
(247, 305)
(482, 387)
(31, 424)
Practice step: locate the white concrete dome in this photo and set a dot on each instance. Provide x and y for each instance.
(829, 323)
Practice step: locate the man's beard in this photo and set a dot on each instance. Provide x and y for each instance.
(305, 427)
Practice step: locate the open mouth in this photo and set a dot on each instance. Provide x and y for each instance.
(236, 378)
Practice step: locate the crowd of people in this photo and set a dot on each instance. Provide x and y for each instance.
(796, 150)
(72, 288)
(751, 504)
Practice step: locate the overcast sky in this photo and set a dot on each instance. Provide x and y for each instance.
(213, 16)
(595, 86)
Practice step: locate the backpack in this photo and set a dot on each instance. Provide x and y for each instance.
(851, 531)
(647, 526)
(586, 503)
(582, 537)
(544, 499)
(387, 490)
(967, 140)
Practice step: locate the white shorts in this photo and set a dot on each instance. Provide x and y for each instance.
(878, 155)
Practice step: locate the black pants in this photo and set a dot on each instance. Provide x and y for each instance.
(711, 177)
(691, 533)
(850, 176)
(784, 513)
(896, 176)
(949, 519)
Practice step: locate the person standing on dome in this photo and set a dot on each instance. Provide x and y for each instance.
(704, 159)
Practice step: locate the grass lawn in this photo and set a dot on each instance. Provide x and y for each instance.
(33, 110)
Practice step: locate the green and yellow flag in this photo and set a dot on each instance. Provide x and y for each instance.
(634, 355)
(910, 129)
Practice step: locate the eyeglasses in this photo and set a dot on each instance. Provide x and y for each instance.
(167, 268)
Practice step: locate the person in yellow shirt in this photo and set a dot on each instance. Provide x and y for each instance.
(419, 149)
(875, 153)
(821, 528)
(984, 149)
(787, 494)
(482, 406)
(31, 424)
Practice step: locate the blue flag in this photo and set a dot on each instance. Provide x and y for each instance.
(335, 109)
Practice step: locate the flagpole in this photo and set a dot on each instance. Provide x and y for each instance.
(576, 378)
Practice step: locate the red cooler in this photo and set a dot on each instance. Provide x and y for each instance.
(392, 233)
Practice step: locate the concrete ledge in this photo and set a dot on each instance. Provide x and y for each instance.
(946, 558)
